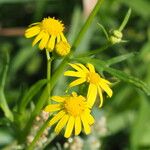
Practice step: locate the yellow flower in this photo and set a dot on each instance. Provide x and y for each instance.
(73, 112)
(62, 48)
(96, 84)
(49, 31)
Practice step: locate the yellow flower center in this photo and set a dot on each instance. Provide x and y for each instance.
(93, 77)
(75, 105)
(52, 26)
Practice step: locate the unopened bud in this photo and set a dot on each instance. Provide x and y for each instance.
(115, 37)
(63, 48)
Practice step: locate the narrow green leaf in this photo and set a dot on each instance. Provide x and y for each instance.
(34, 89)
(104, 30)
(119, 59)
(3, 101)
(5, 107)
(4, 71)
(125, 21)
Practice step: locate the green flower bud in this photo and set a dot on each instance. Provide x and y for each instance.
(115, 37)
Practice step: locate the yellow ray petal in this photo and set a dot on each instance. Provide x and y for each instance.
(86, 126)
(51, 43)
(52, 107)
(77, 125)
(91, 67)
(57, 99)
(77, 82)
(74, 74)
(58, 38)
(92, 93)
(69, 127)
(106, 81)
(62, 122)
(63, 37)
(38, 38)
(32, 31)
(56, 118)
(89, 118)
(100, 96)
(106, 88)
(44, 41)
(83, 67)
(76, 67)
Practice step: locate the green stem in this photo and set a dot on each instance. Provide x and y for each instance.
(49, 60)
(41, 102)
(38, 135)
(50, 139)
(87, 24)
(58, 72)
(42, 99)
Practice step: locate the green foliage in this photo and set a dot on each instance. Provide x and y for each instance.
(23, 67)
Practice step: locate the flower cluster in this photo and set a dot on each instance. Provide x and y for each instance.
(96, 83)
(73, 111)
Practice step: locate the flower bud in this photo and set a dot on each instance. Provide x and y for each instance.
(63, 48)
(116, 36)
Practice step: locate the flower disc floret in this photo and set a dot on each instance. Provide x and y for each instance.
(75, 105)
(52, 26)
(93, 77)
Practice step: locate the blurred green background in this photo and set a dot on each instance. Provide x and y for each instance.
(127, 113)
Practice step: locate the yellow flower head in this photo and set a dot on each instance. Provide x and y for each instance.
(96, 84)
(73, 112)
(49, 31)
(62, 48)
